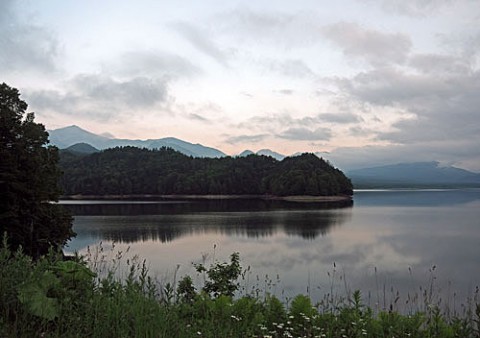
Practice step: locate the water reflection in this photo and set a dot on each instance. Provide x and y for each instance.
(174, 207)
(388, 240)
(166, 222)
(417, 198)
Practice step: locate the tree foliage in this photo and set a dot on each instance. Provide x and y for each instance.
(222, 277)
(134, 171)
(28, 180)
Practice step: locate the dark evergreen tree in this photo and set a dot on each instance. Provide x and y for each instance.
(129, 170)
(28, 180)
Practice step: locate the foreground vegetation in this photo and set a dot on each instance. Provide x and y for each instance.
(52, 297)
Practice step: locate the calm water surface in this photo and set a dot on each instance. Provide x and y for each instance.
(384, 241)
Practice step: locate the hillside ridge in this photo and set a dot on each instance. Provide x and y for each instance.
(134, 171)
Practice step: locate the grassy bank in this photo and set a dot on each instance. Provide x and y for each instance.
(75, 298)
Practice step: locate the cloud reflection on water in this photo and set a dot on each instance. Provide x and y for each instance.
(390, 243)
(307, 224)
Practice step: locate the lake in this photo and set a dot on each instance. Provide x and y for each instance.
(388, 244)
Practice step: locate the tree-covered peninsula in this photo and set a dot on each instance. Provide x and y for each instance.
(135, 171)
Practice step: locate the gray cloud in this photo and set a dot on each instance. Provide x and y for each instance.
(199, 40)
(197, 117)
(246, 94)
(445, 106)
(284, 91)
(334, 118)
(294, 68)
(208, 112)
(465, 154)
(359, 131)
(439, 94)
(375, 47)
(270, 122)
(49, 100)
(138, 92)
(305, 134)
(152, 64)
(304, 128)
(275, 28)
(24, 46)
(439, 64)
(246, 138)
(100, 97)
(471, 45)
(416, 8)
(441, 120)
(386, 86)
(260, 24)
(341, 118)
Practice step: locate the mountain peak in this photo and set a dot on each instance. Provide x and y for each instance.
(271, 153)
(71, 135)
(73, 127)
(82, 148)
(413, 174)
(245, 153)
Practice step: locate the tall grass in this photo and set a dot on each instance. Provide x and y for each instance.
(100, 295)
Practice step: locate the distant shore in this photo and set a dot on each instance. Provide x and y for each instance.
(302, 198)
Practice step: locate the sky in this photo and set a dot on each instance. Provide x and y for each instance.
(360, 82)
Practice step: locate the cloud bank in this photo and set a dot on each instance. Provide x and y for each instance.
(364, 82)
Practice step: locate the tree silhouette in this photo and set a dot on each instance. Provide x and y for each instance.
(134, 171)
(28, 180)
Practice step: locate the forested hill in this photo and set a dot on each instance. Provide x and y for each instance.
(130, 170)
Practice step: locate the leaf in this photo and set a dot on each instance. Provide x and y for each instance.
(73, 271)
(34, 296)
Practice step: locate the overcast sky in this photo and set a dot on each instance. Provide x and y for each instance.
(363, 82)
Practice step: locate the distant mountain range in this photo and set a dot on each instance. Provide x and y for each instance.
(77, 137)
(411, 175)
(401, 175)
(264, 152)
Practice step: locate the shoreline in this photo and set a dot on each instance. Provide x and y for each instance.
(295, 198)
